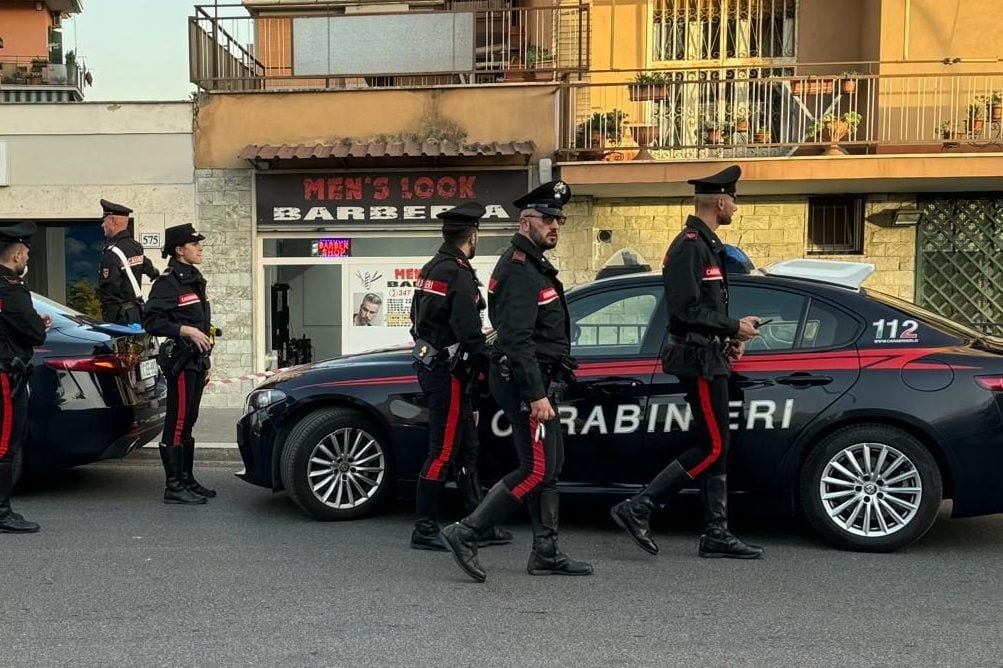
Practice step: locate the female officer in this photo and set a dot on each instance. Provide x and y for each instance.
(179, 310)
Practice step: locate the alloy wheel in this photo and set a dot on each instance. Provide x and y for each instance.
(346, 468)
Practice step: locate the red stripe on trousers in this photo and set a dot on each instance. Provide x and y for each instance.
(535, 476)
(179, 426)
(8, 415)
(450, 436)
(715, 433)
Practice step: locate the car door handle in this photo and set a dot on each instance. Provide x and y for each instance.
(615, 386)
(804, 380)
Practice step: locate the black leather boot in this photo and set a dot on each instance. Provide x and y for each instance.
(461, 537)
(11, 522)
(546, 557)
(175, 491)
(717, 542)
(187, 478)
(634, 514)
(469, 486)
(425, 535)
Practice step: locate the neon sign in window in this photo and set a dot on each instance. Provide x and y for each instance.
(332, 248)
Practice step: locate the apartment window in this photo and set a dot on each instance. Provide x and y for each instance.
(835, 225)
(691, 30)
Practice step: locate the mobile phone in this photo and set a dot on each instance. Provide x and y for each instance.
(763, 322)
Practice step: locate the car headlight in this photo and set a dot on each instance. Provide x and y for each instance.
(259, 399)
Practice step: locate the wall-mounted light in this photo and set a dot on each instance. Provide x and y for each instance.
(907, 217)
(605, 236)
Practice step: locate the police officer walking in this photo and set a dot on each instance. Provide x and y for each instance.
(532, 362)
(179, 310)
(123, 265)
(21, 328)
(703, 340)
(450, 357)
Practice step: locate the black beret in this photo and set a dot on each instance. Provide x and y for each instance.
(721, 183)
(114, 209)
(18, 233)
(548, 198)
(465, 215)
(179, 235)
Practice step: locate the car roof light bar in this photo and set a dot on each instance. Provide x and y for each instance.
(837, 272)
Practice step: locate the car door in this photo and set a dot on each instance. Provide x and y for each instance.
(803, 361)
(603, 414)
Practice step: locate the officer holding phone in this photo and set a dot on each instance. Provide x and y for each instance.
(703, 341)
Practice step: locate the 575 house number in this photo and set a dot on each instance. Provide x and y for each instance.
(895, 331)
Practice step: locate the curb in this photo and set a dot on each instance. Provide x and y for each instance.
(204, 452)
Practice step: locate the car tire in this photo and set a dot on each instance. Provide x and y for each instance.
(871, 488)
(336, 465)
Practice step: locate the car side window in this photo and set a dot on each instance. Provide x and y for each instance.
(784, 310)
(827, 327)
(612, 323)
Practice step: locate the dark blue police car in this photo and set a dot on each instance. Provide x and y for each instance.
(864, 408)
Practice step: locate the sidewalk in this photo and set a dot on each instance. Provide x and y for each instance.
(215, 437)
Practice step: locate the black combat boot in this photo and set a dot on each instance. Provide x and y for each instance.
(469, 486)
(717, 542)
(11, 522)
(187, 479)
(175, 491)
(461, 537)
(425, 535)
(634, 514)
(546, 557)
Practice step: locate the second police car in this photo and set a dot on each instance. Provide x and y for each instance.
(864, 408)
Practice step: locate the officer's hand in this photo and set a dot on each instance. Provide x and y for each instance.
(736, 349)
(747, 328)
(197, 337)
(47, 321)
(542, 410)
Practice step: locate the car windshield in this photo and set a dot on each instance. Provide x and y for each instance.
(46, 306)
(945, 324)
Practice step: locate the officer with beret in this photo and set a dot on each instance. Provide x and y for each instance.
(123, 265)
(179, 310)
(531, 364)
(702, 342)
(450, 359)
(21, 328)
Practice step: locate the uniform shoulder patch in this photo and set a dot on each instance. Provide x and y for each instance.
(14, 280)
(519, 257)
(463, 263)
(691, 235)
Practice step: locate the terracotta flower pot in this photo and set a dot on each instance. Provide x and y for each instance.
(761, 138)
(997, 112)
(647, 92)
(975, 125)
(797, 87)
(849, 86)
(834, 132)
(742, 125)
(713, 137)
(644, 135)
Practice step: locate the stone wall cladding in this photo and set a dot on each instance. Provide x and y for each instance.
(223, 211)
(769, 229)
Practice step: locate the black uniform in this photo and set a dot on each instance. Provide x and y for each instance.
(118, 302)
(21, 328)
(450, 359)
(177, 298)
(700, 333)
(531, 361)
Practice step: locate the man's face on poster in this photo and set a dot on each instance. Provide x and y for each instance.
(367, 312)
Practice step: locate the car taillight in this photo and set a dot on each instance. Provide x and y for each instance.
(94, 363)
(994, 383)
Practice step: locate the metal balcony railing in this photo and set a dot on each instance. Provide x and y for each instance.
(39, 72)
(773, 111)
(466, 44)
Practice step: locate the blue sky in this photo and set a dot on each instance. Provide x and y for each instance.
(135, 49)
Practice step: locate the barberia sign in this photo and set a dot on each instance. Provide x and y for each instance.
(381, 197)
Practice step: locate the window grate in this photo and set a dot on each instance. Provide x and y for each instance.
(835, 225)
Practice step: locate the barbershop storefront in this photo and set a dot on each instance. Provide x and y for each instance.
(337, 252)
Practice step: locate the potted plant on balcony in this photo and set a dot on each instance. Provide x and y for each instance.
(849, 82)
(762, 135)
(593, 135)
(832, 129)
(712, 133)
(645, 135)
(976, 116)
(537, 57)
(742, 123)
(648, 86)
(996, 106)
(947, 131)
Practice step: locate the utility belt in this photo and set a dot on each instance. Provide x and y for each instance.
(19, 372)
(557, 374)
(175, 355)
(696, 355)
(431, 357)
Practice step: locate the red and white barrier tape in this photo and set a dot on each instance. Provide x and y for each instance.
(222, 382)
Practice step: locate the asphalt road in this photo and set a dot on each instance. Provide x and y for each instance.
(117, 578)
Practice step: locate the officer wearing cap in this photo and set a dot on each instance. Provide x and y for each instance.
(21, 328)
(123, 265)
(179, 310)
(702, 341)
(531, 362)
(450, 356)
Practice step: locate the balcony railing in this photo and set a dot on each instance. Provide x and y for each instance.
(463, 45)
(38, 71)
(771, 111)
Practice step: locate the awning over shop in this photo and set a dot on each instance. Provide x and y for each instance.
(387, 154)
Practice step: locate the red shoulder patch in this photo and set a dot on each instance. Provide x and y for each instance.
(463, 263)
(691, 235)
(519, 256)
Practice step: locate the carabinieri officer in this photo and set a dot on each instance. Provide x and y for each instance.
(179, 310)
(123, 265)
(703, 340)
(531, 365)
